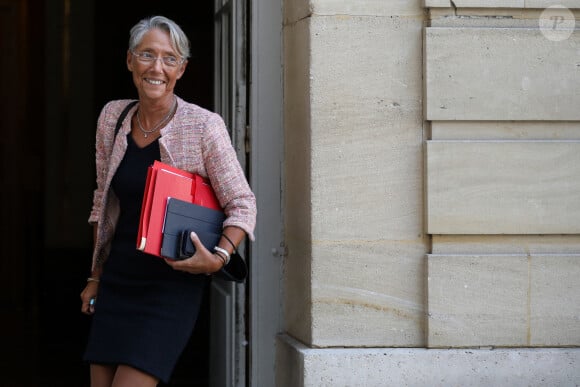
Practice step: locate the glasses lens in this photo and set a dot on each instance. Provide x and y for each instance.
(148, 58)
(170, 61)
(145, 57)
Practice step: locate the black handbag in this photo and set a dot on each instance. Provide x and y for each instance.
(236, 270)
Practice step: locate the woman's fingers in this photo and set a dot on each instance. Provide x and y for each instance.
(200, 262)
(88, 299)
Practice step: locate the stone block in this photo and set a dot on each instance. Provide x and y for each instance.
(503, 187)
(505, 244)
(555, 300)
(368, 293)
(367, 7)
(502, 3)
(367, 130)
(505, 130)
(500, 74)
(573, 4)
(300, 366)
(438, 3)
(503, 300)
(477, 300)
(489, 3)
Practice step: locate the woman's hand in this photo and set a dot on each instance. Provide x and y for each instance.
(203, 261)
(88, 297)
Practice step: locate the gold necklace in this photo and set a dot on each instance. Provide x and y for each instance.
(160, 124)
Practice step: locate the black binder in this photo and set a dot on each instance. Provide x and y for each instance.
(181, 218)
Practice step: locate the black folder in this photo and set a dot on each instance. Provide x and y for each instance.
(181, 218)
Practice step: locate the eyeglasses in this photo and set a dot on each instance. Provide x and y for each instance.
(148, 58)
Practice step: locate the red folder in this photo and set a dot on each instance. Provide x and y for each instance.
(164, 181)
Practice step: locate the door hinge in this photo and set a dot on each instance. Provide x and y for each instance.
(281, 251)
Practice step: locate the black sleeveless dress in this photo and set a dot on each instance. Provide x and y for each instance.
(145, 311)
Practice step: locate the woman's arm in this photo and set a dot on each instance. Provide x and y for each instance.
(227, 177)
(90, 291)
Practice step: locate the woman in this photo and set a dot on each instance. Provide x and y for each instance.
(146, 307)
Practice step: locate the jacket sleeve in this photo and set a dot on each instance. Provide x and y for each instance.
(103, 144)
(227, 177)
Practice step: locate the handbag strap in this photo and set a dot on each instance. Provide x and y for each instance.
(123, 115)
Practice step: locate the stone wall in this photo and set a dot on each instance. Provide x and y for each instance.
(432, 192)
(502, 163)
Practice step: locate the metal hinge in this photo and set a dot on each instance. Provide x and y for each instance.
(281, 251)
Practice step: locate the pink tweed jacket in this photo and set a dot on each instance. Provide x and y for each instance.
(196, 140)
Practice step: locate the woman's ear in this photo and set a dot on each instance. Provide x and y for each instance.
(182, 69)
(129, 61)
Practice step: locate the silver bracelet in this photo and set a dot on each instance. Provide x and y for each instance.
(224, 252)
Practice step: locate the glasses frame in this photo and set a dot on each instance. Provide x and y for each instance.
(143, 57)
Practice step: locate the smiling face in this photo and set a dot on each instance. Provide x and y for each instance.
(154, 80)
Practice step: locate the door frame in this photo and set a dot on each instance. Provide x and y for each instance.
(228, 341)
(266, 140)
(249, 96)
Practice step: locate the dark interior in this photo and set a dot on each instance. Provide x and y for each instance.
(61, 61)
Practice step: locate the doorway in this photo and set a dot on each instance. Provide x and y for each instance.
(66, 59)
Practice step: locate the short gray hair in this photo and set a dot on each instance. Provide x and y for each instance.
(179, 40)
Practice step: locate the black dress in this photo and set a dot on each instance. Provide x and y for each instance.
(145, 311)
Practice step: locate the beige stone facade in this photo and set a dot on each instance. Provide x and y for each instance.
(432, 193)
